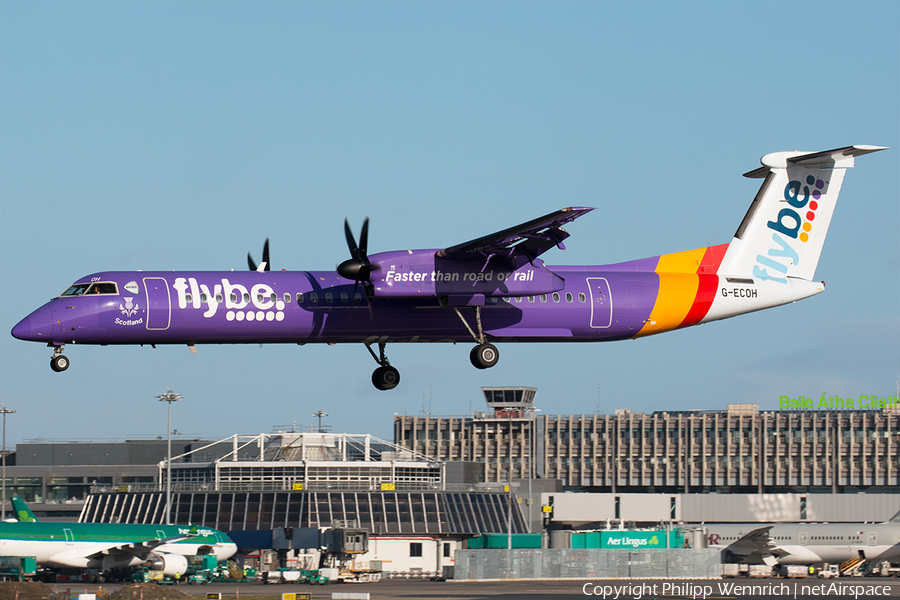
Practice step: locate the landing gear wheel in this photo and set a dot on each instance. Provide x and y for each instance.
(484, 356)
(59, 363)
(386, 378)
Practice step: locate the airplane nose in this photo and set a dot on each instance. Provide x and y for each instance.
(36, 327)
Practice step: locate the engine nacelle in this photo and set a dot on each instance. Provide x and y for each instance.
(169, 564)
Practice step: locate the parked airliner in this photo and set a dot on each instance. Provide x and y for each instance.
(109, 545)
(807, 543)
(494, 289)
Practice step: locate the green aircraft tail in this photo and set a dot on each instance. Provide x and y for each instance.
(23, 513)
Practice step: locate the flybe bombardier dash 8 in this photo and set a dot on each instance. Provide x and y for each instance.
(493, 289)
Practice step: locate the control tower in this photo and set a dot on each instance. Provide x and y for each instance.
(510, 402)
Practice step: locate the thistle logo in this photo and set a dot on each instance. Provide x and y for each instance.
(790, 224)
(129, 308)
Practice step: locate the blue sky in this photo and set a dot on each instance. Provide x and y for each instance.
(179, 135)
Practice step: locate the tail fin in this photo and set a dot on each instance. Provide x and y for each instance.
(23, 513)
(783, 232)
(895, 518)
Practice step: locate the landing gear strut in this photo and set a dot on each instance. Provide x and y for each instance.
(59, 362)
(484, 355)
(384, 377)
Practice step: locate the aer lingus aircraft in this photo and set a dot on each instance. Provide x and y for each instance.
(493, 289)
(108, 545)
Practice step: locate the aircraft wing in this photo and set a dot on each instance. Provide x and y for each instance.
(528, 240)
(139, 549)
(143, 549)
(757, 544)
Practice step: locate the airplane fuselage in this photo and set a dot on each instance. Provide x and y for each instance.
(601, 303)
(810, 543)
(86, 545)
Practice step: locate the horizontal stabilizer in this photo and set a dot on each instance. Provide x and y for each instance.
(839, 157)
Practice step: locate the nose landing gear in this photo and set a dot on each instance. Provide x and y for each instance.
(59, 362)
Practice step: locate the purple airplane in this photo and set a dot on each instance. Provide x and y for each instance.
(493, 289)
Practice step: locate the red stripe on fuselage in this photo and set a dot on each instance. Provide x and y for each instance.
(708, 284)
(706, 292)
(712, 259)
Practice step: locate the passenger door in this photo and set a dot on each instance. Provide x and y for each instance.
(601, 303)
(159, 305)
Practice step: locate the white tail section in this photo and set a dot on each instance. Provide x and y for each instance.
(782, 233)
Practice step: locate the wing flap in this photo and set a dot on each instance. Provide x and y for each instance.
(530, 239)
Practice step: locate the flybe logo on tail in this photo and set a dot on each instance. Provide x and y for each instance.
(790, 223)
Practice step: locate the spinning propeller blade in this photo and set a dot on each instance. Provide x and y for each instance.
(357, 267)
(265, 261)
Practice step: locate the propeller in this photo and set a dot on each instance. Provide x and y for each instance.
(265, 259)
(357, 267)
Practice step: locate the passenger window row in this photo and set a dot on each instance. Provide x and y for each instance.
(110, 288)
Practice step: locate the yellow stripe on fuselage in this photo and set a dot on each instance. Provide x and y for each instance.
(678, 283)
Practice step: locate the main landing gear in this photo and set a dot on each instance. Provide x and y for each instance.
(385, 377)
(58, 362)
(484, 355)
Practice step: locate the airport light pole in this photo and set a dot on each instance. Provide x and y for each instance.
(5, 411)
(531, 453)
(320, 413)
(509, 482)
(169, 397)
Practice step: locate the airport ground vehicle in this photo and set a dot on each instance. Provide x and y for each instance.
(792, 571)
(829, 572)
(17, 568)
(201, 568)
(146, 575)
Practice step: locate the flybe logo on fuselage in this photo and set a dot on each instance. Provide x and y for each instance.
(790, 225)
(259, 303)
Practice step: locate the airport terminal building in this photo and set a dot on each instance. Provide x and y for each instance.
(449, 475)
(738, 450)
(508, 469)
(313, 480)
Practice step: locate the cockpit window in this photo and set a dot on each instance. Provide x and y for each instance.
(76, 290)
(103, 288)
(81, 289)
